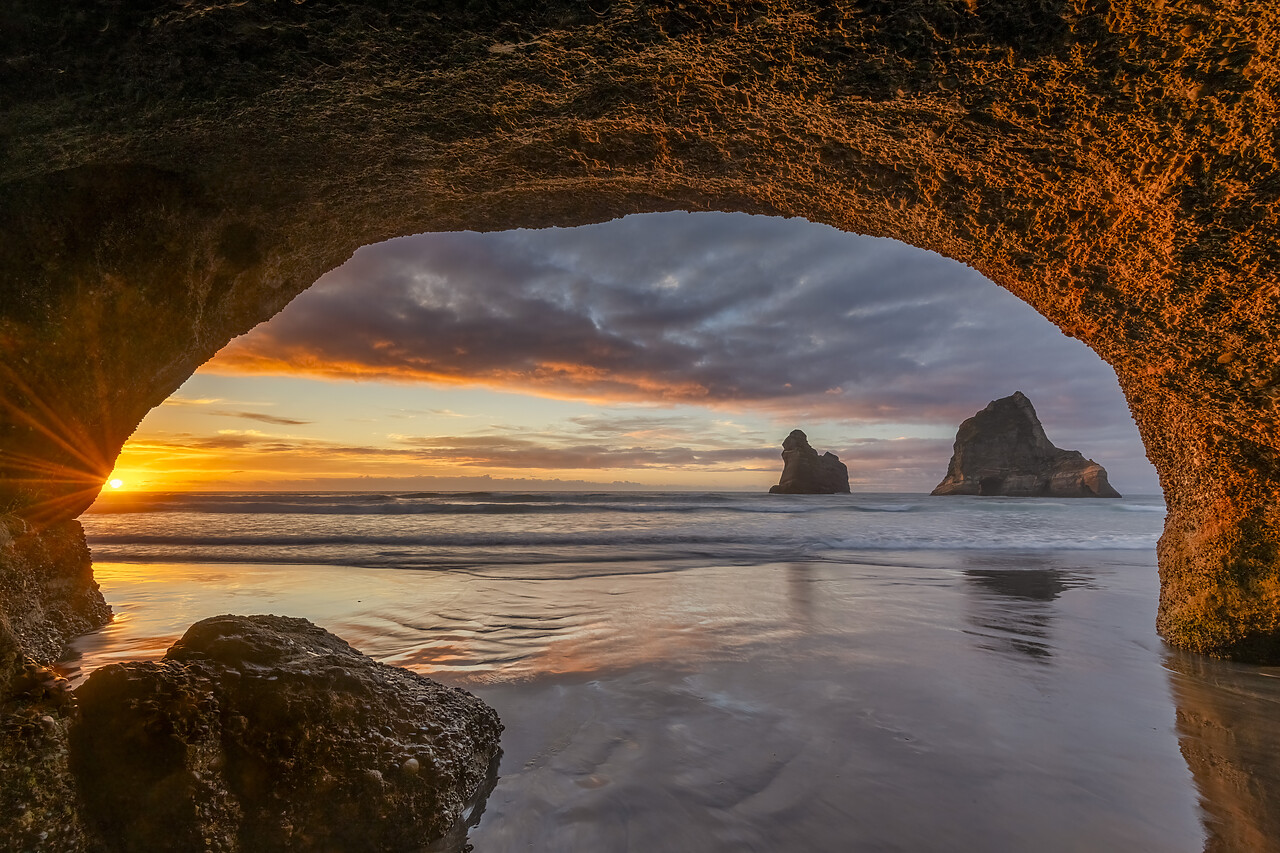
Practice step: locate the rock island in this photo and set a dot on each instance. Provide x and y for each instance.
(1003, 450)
(804, 472)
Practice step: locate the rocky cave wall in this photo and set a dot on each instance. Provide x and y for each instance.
(173, 173)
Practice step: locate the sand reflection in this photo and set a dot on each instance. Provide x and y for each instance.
(1229, 733)
(885, 702)
(1011, 604)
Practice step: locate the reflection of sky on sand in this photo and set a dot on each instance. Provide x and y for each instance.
(475, 627)
(830, 706)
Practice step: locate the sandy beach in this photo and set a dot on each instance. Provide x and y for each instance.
(915, 701)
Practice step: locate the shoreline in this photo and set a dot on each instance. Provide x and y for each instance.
(998, 701)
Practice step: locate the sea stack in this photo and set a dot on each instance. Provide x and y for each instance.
(804, 472)
(1002, 450)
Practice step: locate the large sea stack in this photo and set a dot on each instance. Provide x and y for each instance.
(1002, 450)
(804, 472)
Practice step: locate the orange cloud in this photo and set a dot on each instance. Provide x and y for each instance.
(554, 380)
(233, 458)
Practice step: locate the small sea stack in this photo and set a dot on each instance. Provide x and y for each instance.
(804, 472)
(1002, 450)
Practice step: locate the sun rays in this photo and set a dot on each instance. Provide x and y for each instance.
(66, 465)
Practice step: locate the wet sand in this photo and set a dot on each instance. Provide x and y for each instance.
(914, 701)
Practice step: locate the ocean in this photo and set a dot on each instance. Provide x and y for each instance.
(743, 672)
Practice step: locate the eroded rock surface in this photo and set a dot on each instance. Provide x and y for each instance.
(174, 174)
(265, 733)
(804, 472)
(1003, 450)
(47, 596)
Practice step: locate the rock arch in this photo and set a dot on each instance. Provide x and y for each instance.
(175, 173)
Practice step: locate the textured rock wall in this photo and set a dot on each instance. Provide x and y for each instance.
(47, 596)
(172, 174)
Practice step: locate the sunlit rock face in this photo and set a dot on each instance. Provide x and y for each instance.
(173, 175)
(1003, 450)
(264, 733)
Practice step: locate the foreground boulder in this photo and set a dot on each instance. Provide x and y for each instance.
(804, 472)
(265, 733)
(1002, 450)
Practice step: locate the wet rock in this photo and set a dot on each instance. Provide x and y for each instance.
(47, 596)
(262, 733)
(39, 802)
(804, 472)
(1003, 450)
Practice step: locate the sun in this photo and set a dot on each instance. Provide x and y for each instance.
(115, 483)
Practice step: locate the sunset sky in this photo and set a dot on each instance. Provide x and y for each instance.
(659, 351)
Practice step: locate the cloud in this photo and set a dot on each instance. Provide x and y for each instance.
(913, 464)
(710, 309)
(509, 452)
(541, 450)
(258, 416)
(439, 413)
(733, 312)
(663, 427)
(177, 401)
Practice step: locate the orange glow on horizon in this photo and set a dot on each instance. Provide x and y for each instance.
(254, 461)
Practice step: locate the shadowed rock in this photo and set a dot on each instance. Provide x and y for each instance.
(1002, 450)
(804, 472)
(48, 596)
(262, 733)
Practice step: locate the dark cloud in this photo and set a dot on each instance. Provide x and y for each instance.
(668, 428)
(542, 450)
(258, 416)
(509, 452)
(714, 309)
(911, 464)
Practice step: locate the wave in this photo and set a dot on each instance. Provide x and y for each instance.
(569, 547)
(486, 503)
(434, 530)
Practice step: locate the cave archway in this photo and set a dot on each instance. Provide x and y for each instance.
(174, 175)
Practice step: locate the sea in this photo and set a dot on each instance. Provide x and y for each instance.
(727, 671)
